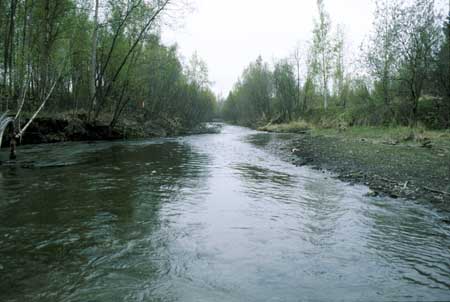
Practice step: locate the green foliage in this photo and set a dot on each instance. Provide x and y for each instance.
(405, 79)
(299, 126)
(285, 90)
(252, 98)
(440, 80)
(134, 74)
(323, 51)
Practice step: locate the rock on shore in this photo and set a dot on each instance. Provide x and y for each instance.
(398, 171)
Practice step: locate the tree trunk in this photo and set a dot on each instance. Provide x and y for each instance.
(13, 144)
(325, 84)
(93, 77)
(138, 39)
(299, 101)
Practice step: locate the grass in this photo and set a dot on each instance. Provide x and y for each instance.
(377, 135)
(388, 134)
(299, 126)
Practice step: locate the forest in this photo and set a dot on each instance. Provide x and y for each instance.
(100, 62)
(104, 62)
(224, 150)
(399, 76)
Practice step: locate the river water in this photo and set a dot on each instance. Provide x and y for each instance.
(208, 218)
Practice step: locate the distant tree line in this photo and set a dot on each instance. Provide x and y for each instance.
(402, 76)
(99, 60)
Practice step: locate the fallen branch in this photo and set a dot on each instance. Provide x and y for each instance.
(21, 132)
(25, 90)
(436, 191)
(387, 179)
(49, 94)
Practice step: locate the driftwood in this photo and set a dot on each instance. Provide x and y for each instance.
(407, 182)
(5, 120)
(25, 90)
(387, 179)
(436, 191)
(49, 94)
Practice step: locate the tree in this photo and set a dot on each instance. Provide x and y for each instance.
(297, 61)
(309, 87)
(323, 50)
(381, 55)
(152, 11)
(285, 89)
(339, 66)
(93, 77)
(230, 109)
(197, 71)
(419, 36)
(251, 100)
(257, 87)
(8, 53)
(95, 57)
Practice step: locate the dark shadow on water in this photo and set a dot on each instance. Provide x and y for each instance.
(71, 227)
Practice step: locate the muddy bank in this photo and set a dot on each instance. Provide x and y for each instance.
(399, 171)
(51, 130)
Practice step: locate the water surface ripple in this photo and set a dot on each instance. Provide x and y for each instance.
(208, 218)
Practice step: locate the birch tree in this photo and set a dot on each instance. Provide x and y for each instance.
(323, 49)
(339, 65)
(419, 38)
(381, 55)
(297, 61)
(285, 89)
(93, 77)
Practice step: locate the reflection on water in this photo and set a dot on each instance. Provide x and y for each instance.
(207, 218)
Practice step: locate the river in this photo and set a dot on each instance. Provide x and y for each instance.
(212, 217)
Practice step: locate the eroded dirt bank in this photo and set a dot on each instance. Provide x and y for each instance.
(56, 130)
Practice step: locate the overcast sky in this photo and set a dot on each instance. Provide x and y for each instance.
(229, 34)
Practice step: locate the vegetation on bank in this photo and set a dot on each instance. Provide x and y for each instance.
(382, 122)
(102, 62)
(402, 79)
(417, 136)
(292, 127)
(409, 162)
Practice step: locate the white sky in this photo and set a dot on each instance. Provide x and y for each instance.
(229, 34)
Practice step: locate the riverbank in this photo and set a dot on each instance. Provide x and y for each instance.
(398, 162)
(44, 130)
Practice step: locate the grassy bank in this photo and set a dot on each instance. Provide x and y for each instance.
(377, 135)
(293, 127)
(400, 162)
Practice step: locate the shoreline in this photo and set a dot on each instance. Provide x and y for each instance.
(55, 131)
(399, 170)
(46, 130)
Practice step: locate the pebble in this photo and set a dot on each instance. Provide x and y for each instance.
(372, 194)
